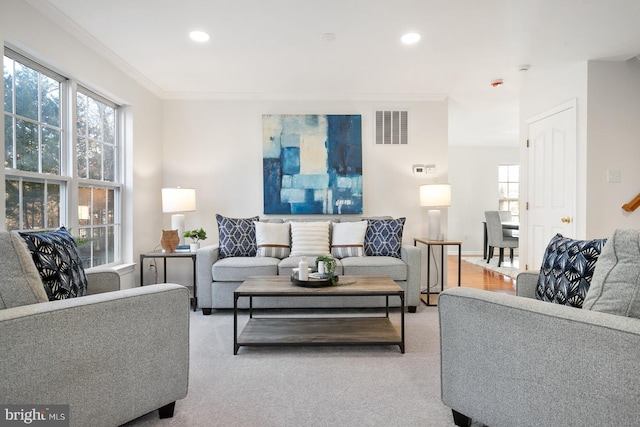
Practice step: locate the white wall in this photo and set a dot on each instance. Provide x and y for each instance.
(216, 147)
(608, 107)
(48, 42)
(613, 145)
(473, 174)
(542, 90)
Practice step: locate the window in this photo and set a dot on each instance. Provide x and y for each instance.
(509, 189)
(59, 172)
(96, 165)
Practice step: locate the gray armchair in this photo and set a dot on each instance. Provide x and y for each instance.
(516, 361)
(112, 357)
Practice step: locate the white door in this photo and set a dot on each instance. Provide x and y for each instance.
(551, 179)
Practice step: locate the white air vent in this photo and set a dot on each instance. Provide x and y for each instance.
(391, 127)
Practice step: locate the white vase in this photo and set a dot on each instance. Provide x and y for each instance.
(193, 247)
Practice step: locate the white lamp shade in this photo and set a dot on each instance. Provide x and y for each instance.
(435, 195)
(178, 200)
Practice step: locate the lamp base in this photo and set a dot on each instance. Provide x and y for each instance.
(177, 223)
(433, 217)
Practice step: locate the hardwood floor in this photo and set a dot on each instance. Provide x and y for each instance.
(474, 276)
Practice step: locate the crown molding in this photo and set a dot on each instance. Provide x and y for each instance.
(69, 25)
(83, 36)
(263, 96)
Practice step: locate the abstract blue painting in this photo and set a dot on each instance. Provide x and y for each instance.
(312, 164)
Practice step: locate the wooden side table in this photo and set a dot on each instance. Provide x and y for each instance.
(165, 256)
(442, 245)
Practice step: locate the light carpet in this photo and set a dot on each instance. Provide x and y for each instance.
(310, 386)
(507, 268)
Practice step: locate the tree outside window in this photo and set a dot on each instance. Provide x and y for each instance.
(40, 181)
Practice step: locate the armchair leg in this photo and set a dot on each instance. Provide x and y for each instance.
(460, 420)
(206, 311)
(412, 308)
(167, 410)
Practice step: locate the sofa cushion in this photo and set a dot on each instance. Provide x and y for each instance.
(567, 269)
(238, 269)
(384, 237)
(375, 266)
(309, 238)
(56, 257)
(273, 239)
(615, 287)
(20, 283)
(347, 239)
(237, 236)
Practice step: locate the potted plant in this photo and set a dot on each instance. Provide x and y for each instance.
(327, 265)
(195, 236)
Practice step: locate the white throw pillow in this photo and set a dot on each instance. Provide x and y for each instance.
(310, 238)
(348, 239)
(272, 239)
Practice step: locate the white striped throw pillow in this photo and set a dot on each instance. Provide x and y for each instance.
(347, 239)
(272, 239)
(310, 238)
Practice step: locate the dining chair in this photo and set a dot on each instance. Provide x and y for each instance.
(497, 238)
(505, 216)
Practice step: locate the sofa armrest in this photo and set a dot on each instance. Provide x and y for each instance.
(205, 258)
(411, 255)
(112, 357)
(101, 280)
(507, 360)
(526, 284)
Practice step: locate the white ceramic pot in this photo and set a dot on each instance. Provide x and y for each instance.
(194, 246)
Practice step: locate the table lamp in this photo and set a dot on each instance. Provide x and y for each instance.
(435, 195)
(177, 200)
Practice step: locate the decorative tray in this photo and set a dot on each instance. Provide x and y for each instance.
(314, 282)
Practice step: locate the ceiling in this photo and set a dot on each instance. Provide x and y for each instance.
(273, 49)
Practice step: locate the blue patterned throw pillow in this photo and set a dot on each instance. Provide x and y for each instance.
(567, 270)
(384, 237)
(237, 236)
(56, 257)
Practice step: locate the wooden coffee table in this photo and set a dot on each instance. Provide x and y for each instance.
(298, 331)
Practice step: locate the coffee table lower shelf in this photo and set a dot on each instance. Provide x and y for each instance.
(319, 331)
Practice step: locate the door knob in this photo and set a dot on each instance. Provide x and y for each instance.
(565, 219)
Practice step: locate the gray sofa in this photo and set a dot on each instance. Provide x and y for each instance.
(517, 361)
(218, 279)
(112, 356)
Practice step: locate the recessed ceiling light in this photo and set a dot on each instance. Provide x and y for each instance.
(410, 38)
(199, 36)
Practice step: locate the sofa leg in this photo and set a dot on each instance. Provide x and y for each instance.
(206, 311)
(412, 308)
(460, 420)
(167, 410)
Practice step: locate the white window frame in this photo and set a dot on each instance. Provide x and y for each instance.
(509, 200)
(68, 178)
